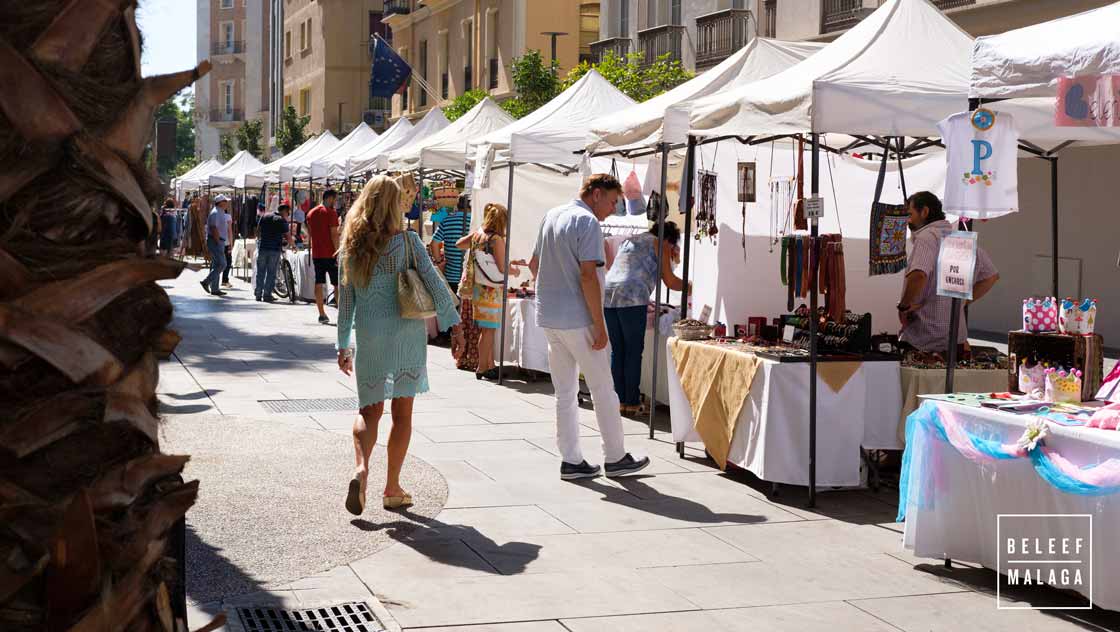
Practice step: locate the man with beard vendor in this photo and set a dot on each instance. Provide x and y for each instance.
(923, 314)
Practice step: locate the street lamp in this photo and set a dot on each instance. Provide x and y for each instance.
(553, 35)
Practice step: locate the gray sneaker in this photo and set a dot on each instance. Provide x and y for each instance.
(572, 471)
(626, 465)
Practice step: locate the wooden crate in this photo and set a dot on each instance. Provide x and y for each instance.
(1081, 352)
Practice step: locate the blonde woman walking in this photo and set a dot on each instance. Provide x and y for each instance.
(487, 251)
(390, 356)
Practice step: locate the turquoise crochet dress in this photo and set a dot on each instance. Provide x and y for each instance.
(391, 353)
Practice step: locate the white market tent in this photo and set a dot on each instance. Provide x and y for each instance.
(1027, 62)
(270, 173)
(198, 177)
(290, 166)
(376, 157)
(232, 175)
(874, 79)
(643, 125)
(556, 131)
(301, 169)
(334, 164)
(447, 148)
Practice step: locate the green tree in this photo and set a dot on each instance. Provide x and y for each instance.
(535, 81)
(225, 145)
(463, 103)
(249, 136)
(631, 77)
(291, 132)
(184, 165)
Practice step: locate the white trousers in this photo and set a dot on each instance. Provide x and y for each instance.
(569, 354)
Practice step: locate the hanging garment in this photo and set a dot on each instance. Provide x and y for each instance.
(832, 279)
(799, 221)
(981, 152)
(888, 228)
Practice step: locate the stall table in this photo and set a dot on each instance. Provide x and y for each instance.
(918, 382)
(951, 501)
(771, 435)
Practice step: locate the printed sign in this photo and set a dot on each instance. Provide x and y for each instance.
(956, 265)
(1088, 101)
(814, 207)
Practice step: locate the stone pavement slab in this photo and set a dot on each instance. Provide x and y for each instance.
(976, 611)
(832, 616)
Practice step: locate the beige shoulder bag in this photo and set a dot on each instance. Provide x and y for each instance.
(415, 300)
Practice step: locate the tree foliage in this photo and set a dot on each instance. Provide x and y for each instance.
(184, 165)
(249, 137)
(291, 132)
(628, 75)
(535, 81)
(225, 147)
(463, 103)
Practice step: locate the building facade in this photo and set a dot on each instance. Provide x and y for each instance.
(326, 62)
(235, 36)
(458, 45)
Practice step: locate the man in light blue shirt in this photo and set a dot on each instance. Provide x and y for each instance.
(568, 264)
(217, 238)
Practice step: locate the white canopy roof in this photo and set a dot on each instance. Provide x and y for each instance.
(233, 173)
(337, 163)
(302, 168)
(1027, 62)
(376, 157)
(198, 177)
(553, 133)
(271, 172)
(643, 125)
(897, 72)
(333, 165)
(447, 148)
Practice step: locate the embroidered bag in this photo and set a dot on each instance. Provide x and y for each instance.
(888, 227)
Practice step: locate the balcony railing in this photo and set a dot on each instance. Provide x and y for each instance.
(227, 116)
(838, 15)
(493, 74)
(397, 6)
(953, 4)
(719, 35)
(227, 48)
(659, 40)
(620, 46)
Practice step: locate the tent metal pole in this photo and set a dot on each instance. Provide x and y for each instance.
(1054, 224)
(686, 193)
(815, 186)
(662, 213)
(505, 278)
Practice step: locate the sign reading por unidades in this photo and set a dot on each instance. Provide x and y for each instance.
(956, 265)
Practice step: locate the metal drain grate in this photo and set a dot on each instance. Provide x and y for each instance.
(354, 616)
(339, 404)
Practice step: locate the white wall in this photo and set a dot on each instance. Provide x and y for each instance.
(1089, 232)
(204, 146)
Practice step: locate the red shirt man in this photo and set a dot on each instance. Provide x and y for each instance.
(322, 227)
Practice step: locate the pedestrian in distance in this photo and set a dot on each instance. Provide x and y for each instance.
(272, 233)
(322, 229)
(229, 246)
(216, 244)
(568, 262)
(390, 353)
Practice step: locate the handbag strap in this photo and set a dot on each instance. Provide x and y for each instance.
(881, 180)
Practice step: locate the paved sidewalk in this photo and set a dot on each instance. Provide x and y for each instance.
(514, 549)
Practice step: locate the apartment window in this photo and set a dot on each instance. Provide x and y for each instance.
(305, 101)
(227, 97)
(588, 29)
(287, 45)
(287, 101)
(492, 49)
(444, 51)
(227, 35)
(309, 32)
(303, 36)
(423, 71)
(651, 13)
(227, 4)
(738, 4)
(468, 37)
(377, 27)
(771, 18)
(624, 18)
(675, 11)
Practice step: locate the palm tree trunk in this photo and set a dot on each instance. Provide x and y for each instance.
(86, 498)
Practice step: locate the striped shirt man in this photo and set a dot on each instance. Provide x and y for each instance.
(452, 227)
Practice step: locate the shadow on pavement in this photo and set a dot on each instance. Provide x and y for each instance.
(425, 535)
(647, 499)
(210, 575)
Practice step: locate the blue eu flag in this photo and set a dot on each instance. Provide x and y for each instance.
(389, 73)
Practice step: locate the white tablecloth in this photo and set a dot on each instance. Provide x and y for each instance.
(244, 252)
(304, 272)
(960, 522)
(772, 436)
(527, 347)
